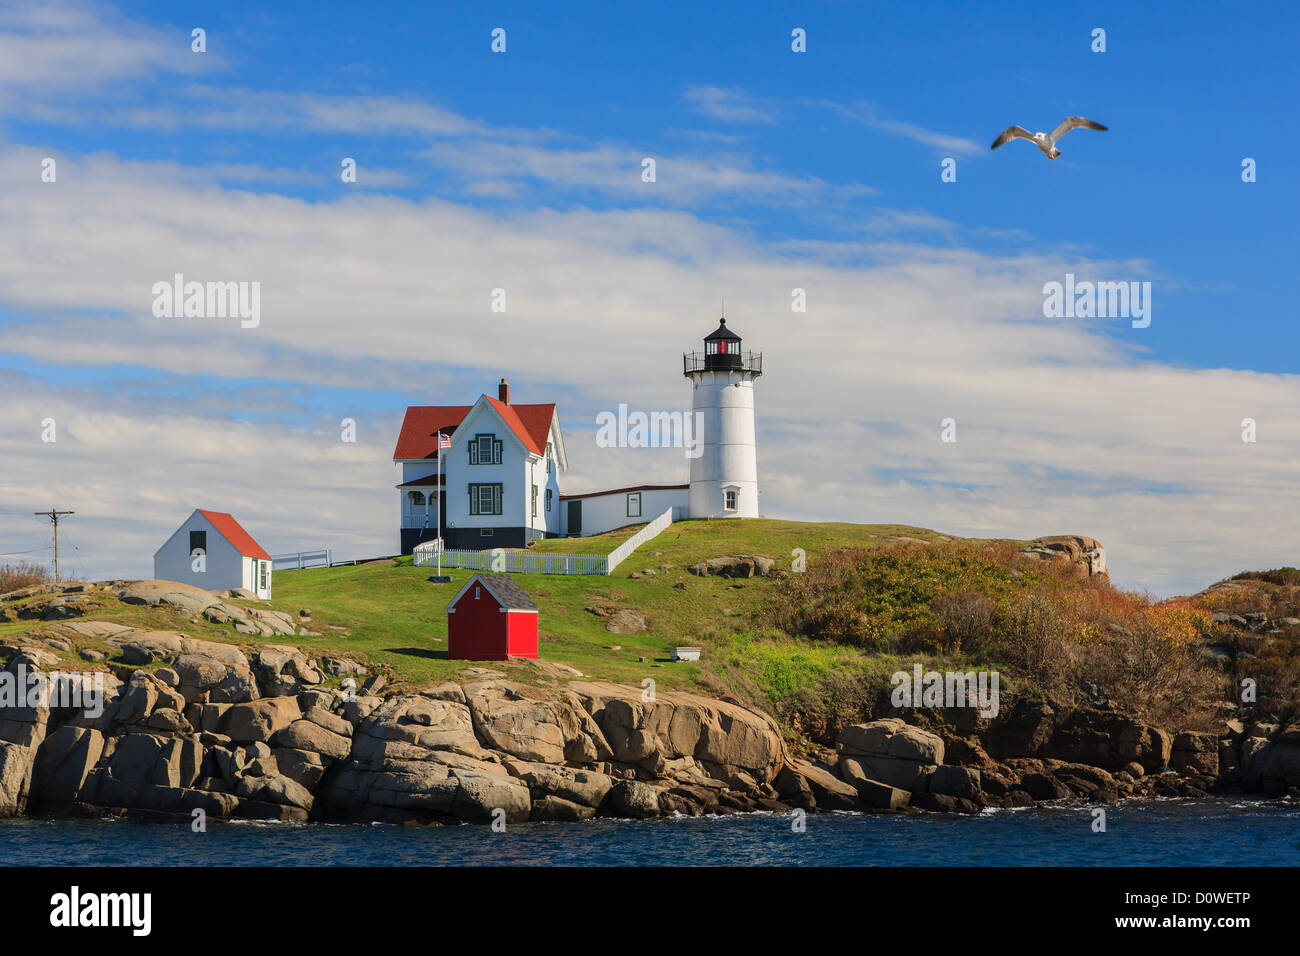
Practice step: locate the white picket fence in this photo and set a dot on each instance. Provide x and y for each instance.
(653, 529)
(529, 562)
(320, 558)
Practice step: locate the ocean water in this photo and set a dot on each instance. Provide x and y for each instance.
(1219, 832)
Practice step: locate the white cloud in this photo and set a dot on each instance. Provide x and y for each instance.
(727, 105)
(866, 114)
(48, 50)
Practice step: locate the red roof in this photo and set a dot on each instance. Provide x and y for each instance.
(232, 531)
(419, 436)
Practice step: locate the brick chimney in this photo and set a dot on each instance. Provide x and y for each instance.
(503, 392)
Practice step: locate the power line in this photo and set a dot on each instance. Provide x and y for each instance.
(10, 554)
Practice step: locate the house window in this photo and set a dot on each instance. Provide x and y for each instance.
(550, 461)
(198, 541)
(729, 499)
(634, 505)
(485, 532)
(262, 565)
(548, 500)
(417, 499)
(534, 501)
(485, 499)
(485, 450)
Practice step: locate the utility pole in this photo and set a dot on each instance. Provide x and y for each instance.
(55, 516)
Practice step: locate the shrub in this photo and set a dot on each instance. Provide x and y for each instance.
(964, 618)
(22, 575)
(1074, 640)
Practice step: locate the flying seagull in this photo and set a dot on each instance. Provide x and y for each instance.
(1046, 141)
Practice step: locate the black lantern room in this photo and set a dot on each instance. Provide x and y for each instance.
(722, 352)
(722, 347)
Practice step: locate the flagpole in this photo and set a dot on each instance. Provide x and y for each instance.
(437, 488)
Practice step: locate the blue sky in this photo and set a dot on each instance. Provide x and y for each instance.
(819, 170)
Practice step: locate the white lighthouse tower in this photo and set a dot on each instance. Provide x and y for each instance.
(724, 478)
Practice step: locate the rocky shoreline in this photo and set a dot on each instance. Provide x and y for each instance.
(192, 725)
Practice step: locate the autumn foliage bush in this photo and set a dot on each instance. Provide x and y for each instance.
(1043, 626)
(22, 575)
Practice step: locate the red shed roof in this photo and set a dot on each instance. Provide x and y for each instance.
(418, 439)
(232, 531)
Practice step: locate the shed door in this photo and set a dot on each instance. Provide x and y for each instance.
(575, 517)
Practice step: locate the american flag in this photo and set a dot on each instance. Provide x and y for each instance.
(444, 441)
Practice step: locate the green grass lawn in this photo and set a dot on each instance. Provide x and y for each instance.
(398, 618)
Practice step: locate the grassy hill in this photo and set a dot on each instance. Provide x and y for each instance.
(394, 617)
(814, 648)
(398, 618)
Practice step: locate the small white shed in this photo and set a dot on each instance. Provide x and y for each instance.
(211, 550)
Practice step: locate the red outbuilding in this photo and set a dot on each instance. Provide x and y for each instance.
(491, 619)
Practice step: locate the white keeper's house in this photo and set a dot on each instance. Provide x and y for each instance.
(498, 481)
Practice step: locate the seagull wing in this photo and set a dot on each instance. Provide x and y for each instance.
(1010, 133)
(1072, 122)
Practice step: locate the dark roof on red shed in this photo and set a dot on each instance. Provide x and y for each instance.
(503, 588)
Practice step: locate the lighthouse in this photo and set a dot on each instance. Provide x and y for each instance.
(724, 476)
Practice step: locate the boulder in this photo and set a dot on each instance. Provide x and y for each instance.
(557, 809)
(956, 782)
(169, 720)
(306, 735)
(584, 787)
(137, 700)
(1272, 766)
(259, 719)
(178, 763)
(793, 788)
(302, 766)
(331, 722)
(631, 798)
(186, 598)
(285, 791)
(1108, 739)
(734, 566)
(505, 720)
(411, 727)
(16, 765)
(891, 737)
(1080, 556)
(1042, 786)
(1196, 754)
(910, 775)
(206, 670)
(830, 792)
(64, 761)
(872, 792)
(343, 667)
(734, 744)
(282, 670)
(422, 790)
(1021, 730)
(97, 629)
